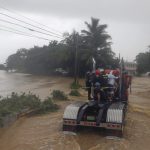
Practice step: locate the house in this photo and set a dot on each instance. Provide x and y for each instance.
(131, 67)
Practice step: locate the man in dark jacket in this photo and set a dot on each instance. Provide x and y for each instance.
(88, 82)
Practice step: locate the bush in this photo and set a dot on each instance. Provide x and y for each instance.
(74, 93)
(30, 101)
(75, 85)
(59, 95)
(47, 105)
(5, 111)
(16, 104)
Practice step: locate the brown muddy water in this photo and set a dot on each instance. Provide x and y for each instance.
(45, 132)
(40, 85)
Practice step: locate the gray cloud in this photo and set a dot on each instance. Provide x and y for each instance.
(124, 10)
(128, 21)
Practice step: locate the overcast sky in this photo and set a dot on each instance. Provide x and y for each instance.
(128, 22)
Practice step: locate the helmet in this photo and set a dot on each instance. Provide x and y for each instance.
(97, 72)
(116, 72)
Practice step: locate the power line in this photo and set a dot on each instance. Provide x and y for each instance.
(25, 34)
(27, 23)
(13, 29)
(30, 29)
(16, 30)
(14, 12)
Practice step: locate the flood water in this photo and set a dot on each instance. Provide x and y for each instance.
(18, 82)
(44, 132)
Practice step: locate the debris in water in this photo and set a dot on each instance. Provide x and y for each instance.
(113, 138)
(69, 133)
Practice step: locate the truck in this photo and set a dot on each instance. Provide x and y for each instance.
(107, 108)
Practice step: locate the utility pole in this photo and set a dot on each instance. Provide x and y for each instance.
(76, 58)
(149, 55)
(119, 57)
(121, 77)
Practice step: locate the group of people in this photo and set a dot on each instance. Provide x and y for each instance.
(102, 84)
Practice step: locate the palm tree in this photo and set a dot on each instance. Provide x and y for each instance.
(96, 38)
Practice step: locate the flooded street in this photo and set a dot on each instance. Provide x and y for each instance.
(40, 85)
(44, 132)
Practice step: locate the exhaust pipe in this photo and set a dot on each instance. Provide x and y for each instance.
(94, 64)
(94, 68)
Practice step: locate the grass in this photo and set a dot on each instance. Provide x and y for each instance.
(74, 93)
(59, 95)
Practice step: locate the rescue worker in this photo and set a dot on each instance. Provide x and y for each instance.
(88, 80)
(97, 85)
(96, 77)
(111, 80)
(112, 85)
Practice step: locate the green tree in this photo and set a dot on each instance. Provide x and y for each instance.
(143, 62)
(2, 67)
(97, 40)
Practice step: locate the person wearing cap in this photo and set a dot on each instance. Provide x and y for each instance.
(96, 77)
(97, 72)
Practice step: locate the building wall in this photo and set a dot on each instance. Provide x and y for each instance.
(131, 67)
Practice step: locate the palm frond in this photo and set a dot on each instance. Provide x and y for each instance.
(86, 32)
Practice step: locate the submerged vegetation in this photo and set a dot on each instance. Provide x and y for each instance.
(75, 85)
(17, 104)
(48, 105)
(74, 93)
(59, 95)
